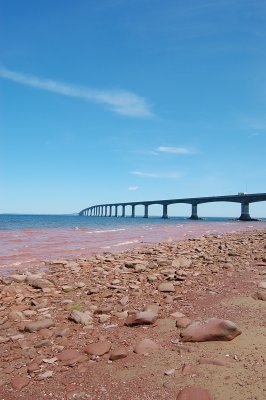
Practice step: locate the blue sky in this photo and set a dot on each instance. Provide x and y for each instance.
(128, 100)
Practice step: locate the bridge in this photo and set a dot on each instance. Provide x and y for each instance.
(112, 210)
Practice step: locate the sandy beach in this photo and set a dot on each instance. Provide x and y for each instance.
(121, 325)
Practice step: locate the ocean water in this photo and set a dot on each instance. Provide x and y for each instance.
(27, 240)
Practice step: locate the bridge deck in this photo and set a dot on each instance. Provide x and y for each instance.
(243, 199)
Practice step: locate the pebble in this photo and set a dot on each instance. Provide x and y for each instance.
(169, 372)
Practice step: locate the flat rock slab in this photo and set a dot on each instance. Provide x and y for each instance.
(118, 353)
(98, 349)
(39, 282)
(194, 393)
(212, 329)
(68, 355)
(80, 317)
(141, 318)
(19, 382)
(182, 322)
(38, 325)
(166, 287)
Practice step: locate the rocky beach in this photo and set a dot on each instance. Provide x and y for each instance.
(178, 320)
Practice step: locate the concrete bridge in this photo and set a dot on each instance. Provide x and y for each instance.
(112, 210)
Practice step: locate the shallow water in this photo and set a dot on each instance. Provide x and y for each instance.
(29, 239)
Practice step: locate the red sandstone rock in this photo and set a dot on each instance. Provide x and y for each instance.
(194, 393)
(38, 282)
(212, 329)
(118, 353)
(177, 315)
(141, 318)
(68, 355)
(166, 287)
(260, 295)
(145, 346)
(154, 308)
(33, 367)
(38, 325)
(187, 369)
(183, 322)
(20, 382)
(98, 349)
(80, 317)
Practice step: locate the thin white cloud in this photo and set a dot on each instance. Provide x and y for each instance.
(167, 175)
(145, 152)
(133, 188)
(175, 150)
(119, 101)
(258, 124)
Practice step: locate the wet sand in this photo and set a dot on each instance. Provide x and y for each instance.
(23, 248)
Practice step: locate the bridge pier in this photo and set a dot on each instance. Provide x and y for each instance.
(165, 215)
(146, 211)
(116, 207)
(194, 212)
(245, 212)
(123, 211)
(110, 211)
(133, 211)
